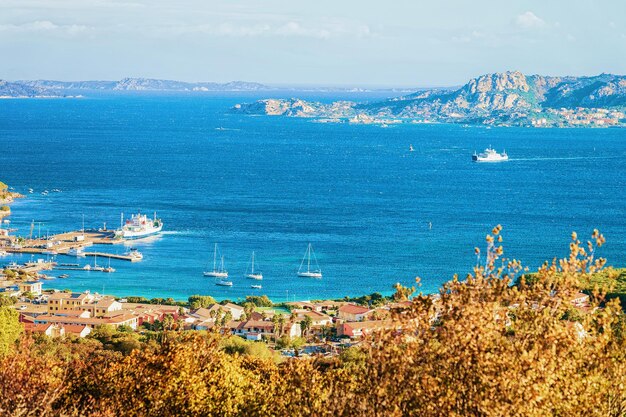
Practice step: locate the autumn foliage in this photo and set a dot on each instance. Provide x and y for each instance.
(482, 347)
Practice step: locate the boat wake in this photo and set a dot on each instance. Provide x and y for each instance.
(565, 158)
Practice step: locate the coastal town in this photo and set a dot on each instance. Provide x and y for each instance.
(302, 328)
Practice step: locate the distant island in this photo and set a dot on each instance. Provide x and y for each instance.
(51, 88)
(499, 99)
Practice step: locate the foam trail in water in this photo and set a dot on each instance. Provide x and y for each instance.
(564, 158)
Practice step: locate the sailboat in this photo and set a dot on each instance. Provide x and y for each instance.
(253, 275)
(217, 272)
(316, 273)
(109, 268)
(223, 281)
(95, 266)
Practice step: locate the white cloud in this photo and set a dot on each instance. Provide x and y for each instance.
(475, 35)
(289, 28)
(43, 26)
(529, 20)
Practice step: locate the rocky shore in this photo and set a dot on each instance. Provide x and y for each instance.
(6, 198)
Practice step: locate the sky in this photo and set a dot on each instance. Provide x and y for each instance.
(403, 43)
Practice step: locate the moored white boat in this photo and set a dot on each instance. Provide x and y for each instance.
(134, 254)
(253, 275)
(224, 283)
(79, 252)
(309, 273)
(109, 268)
(95, 266)
(217, 272)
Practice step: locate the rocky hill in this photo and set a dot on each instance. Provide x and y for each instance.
(19, 90)
(70, 85)
(144, 84)
(509, 98)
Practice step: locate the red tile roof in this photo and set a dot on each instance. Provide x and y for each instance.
(354, 309)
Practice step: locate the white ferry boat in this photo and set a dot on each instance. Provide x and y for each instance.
(139, 226)
(490, 155)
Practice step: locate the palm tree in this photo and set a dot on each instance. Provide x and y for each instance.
(281, 323)
(306, 324)
(275, 321)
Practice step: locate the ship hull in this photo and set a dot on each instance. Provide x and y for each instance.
(258, 277)
(216, 274)
(479, 159)
(128, 235)
(310, 274)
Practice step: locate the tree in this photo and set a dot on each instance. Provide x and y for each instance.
(5, 300)
(276, 326)
(200, 301)
(228, 316)
(168, 322)
(281, 323)
(259, 300)
(296, 343)
(248, 309)
(104, 333)
(29, 295)
(10, 329)
(306, 324)
(402, 293)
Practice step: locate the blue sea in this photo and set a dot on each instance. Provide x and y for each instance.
(375, 213)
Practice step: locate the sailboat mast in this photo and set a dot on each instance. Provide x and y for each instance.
(308, 264)
(253, 262)
(215, 258)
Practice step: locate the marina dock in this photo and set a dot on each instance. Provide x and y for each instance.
(62, 243)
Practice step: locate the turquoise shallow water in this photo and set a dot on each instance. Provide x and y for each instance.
(274, 184)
